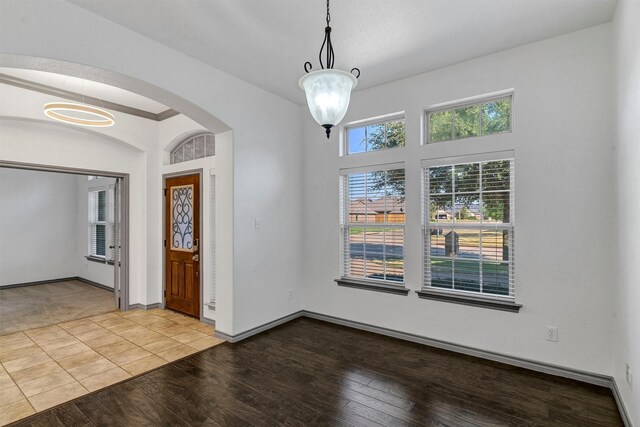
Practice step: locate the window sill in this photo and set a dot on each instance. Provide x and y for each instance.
(98, 260)
(470, 300)
(373, 286)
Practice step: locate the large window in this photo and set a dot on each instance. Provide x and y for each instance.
(375, 135)
(482, 118)
(372, 224)
(468, 213)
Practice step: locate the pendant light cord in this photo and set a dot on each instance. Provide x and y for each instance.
(327, 43)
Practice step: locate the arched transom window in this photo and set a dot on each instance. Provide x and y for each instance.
(194, 147)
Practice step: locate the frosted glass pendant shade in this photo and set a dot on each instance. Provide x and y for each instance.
(328, 94)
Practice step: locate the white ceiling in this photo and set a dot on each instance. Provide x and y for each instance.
(88, 88)
(266, 42)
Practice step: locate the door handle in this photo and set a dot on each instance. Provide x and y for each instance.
(195, 245)
(195, 257)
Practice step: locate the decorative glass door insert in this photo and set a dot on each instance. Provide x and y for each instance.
(182, 218)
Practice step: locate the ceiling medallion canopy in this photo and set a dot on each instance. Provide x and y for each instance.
(328, 91)
(79, 114)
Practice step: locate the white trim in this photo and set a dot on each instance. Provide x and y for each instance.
(253, 331)
(380, 167)
(485, 156)
(470, 100)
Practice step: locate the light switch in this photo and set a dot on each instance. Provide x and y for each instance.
(258, 224)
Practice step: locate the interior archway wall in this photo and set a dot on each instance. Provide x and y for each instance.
(263, 161)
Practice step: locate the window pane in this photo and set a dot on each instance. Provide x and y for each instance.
(496, 278)
(496, 117)
(496, 207)
(467, 207)
(467, 177)
(441, 273)
(496, 175)
(376, 137)
(394, 199)
(394, 254)
(199, 147)
(356, 140)
(356, 251)
(440, 126)
(466, 275)
(495, 245)
(102, 206)
(188, 151)
(395, 133)
(437, 245)
(441, 208)
(467, 121)
(100, 239)
(210, 145)
(468, 244)
(178, 155)
(440, 180)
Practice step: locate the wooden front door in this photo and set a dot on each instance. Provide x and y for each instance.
(182, 228)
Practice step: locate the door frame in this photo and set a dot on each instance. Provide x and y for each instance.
(124, 197)
(164, 235)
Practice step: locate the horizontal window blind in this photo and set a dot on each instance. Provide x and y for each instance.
(468, 227)
(97, 223)
(373, 225)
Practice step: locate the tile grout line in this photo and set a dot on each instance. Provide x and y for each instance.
(189, 327)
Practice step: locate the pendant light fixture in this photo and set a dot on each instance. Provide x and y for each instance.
(328, 91)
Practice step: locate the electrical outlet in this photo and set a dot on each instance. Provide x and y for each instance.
(552, 333)
(629, 375)
(290, 293)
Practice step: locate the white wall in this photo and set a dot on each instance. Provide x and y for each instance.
(626, 348)
(216, 260)
(51, 144)
(267, 169)
(562, 137)
(38, 213)
(95, 271)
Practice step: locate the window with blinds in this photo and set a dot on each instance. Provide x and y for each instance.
(194, 147)
(98, 223)
(373, 224)
(469, 230)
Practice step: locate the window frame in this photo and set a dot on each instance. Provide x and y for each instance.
(480, 299)
(92, 224)
(382, 285)
(470, 102)
(108, 223)
(192, 137)
(370, 122)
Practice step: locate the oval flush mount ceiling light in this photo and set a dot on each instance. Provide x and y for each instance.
(79, 114)
(328, 91)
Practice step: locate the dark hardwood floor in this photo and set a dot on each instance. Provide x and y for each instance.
(309, 373)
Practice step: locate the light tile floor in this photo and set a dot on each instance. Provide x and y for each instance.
(44, 367)
(31, 307)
